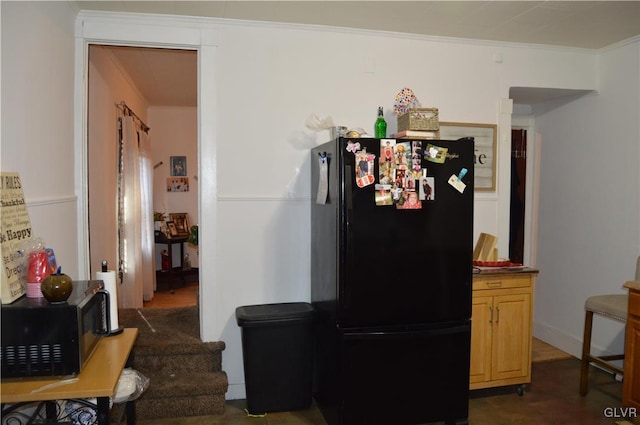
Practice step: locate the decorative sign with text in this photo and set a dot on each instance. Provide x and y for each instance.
(16, 229)
(484, 156)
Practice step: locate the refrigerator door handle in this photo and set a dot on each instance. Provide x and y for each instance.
(348, 236)
(403, 334)
(347, 213)
(348, 198)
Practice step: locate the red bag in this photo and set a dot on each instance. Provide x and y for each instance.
(38, 267)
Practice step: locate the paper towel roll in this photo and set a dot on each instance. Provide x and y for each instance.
(109, 279)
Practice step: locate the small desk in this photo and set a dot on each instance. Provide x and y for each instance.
(98, 379)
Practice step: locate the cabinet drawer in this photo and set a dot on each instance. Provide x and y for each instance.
(500, 282)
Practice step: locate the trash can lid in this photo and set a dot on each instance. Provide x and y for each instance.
(274, 312)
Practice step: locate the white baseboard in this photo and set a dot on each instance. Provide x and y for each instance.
(236, 392)
(565, 342)
(557, 338)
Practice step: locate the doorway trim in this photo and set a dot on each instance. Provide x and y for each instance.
(139, 30)
(526, 122)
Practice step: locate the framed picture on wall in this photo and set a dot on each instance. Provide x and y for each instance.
(181, 223)
(177, 184)
(484, 155)
(178, 166)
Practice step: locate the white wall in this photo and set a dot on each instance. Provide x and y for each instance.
(260, 82)
(174, 132)
(589, 203)
(37, 119)
(108, 85)
(286, 73)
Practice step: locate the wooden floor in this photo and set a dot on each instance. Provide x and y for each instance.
(542, 352)
(184, 296)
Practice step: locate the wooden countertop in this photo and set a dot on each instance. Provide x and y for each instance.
(634, 285)
(483, 271)
(99, 377)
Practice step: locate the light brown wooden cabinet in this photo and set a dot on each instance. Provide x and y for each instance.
(501, 329)
(631, 382)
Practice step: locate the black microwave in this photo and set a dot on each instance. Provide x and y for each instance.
(44, 339)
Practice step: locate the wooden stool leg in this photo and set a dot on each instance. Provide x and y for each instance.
(586, 353)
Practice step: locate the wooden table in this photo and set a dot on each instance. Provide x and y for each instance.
(98, 379)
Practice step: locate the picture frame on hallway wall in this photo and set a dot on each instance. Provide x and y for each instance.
(177, 184)
(178, 166)
(485, 137)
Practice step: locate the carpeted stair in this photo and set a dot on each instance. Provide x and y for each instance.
(185, 374)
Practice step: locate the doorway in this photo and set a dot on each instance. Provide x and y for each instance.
(524, 190)
(518, 201)
(160, 85)
(159, 32)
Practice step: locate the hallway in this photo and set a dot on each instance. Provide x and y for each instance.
(185, 295)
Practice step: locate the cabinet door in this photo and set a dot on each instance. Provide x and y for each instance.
(480, 369)
(512, 336)
(631, 383)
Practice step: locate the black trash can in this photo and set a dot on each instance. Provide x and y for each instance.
(277, 348)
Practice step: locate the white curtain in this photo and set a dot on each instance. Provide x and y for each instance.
(136, 216)
(146, 210)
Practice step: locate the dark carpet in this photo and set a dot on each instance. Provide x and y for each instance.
(185, 374)
(167, 329)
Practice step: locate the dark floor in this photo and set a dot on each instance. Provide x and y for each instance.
(551, 399)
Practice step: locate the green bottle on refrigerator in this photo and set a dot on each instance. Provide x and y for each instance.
(380, 126)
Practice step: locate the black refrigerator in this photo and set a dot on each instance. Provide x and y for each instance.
(391, 279)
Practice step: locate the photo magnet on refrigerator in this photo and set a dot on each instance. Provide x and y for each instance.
(456, 181)
(353, 147)
(435, 154)
(364, 168)
(383, 195)
(426, 191)
(453, 181)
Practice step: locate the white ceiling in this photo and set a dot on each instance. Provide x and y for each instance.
(168, 79)
(165, 77)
